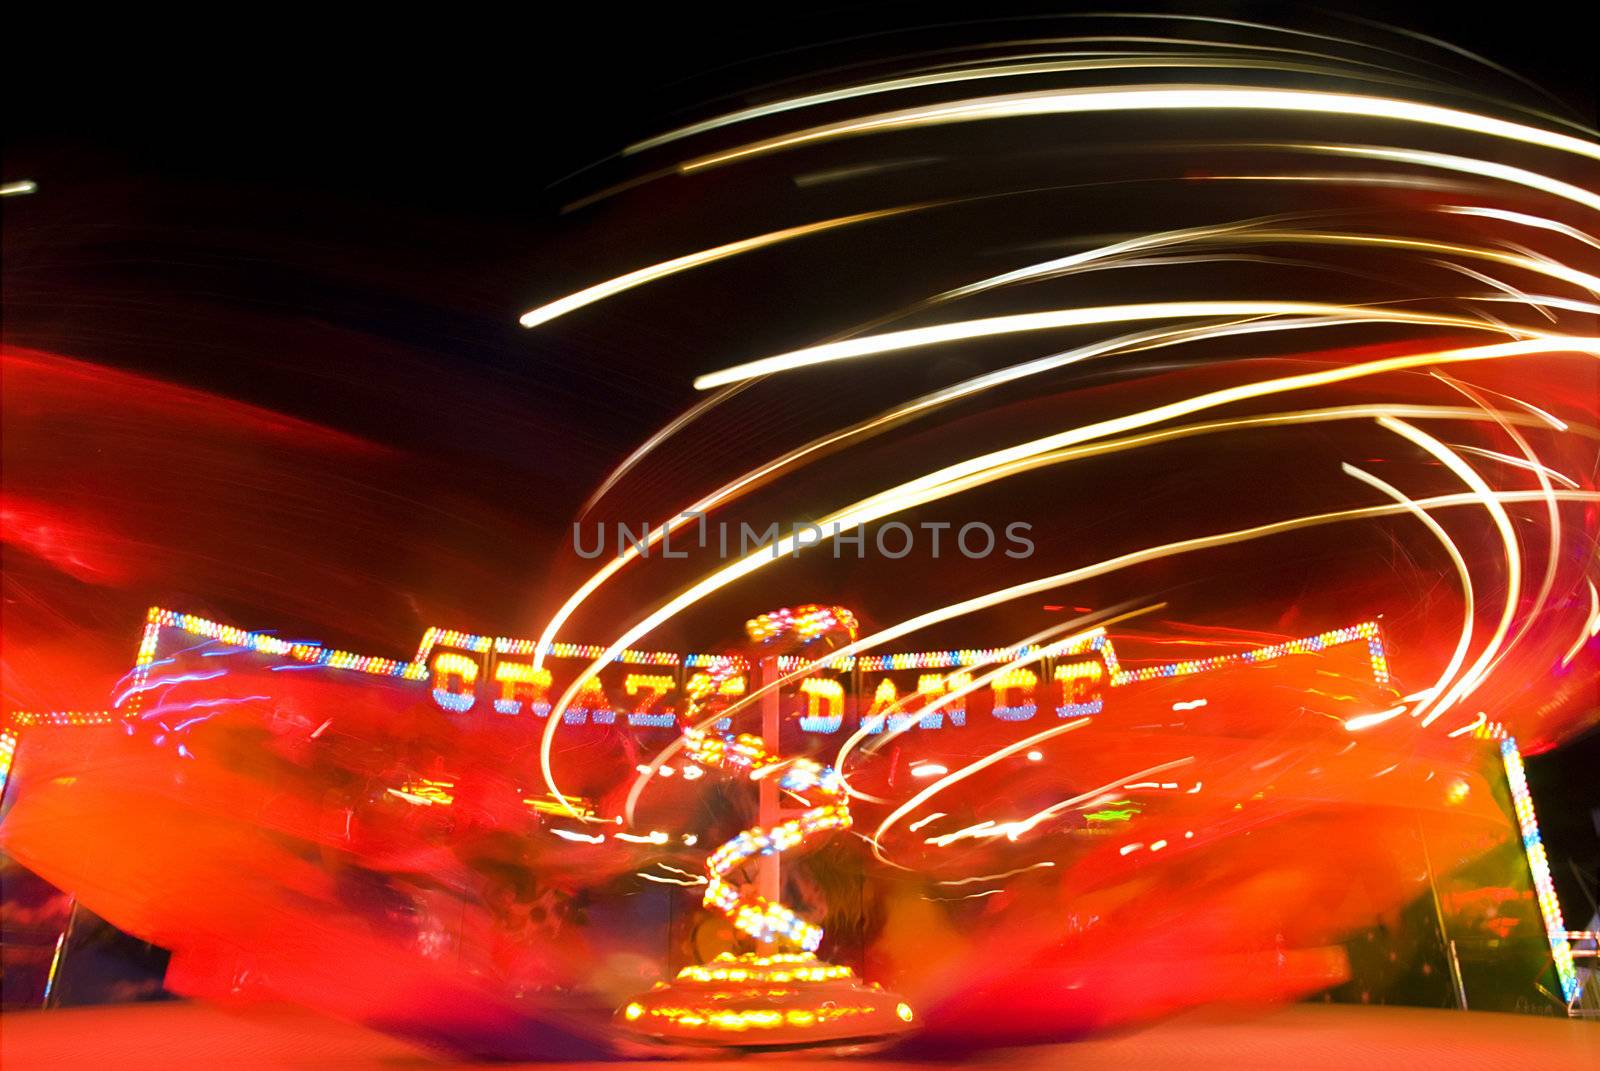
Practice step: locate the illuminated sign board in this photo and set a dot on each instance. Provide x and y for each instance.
(493, 679)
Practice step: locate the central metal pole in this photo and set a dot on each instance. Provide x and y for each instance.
(768, 879)
(1449, 943)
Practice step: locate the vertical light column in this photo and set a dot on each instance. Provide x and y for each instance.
(8, 751)
(1544, 889)
(769, 880)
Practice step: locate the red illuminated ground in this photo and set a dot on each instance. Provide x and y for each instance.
(1300, 1036)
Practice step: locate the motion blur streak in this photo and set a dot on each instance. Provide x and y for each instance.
(1513, 575)
(1529, 462)
(984, 763)
(1164, 98)
(588, 296)
(1463, 574)
(882, 723)
(1043, 584)
(1483, 168)
(940, 334)
(923, 81)
(1034, 587)
(972, 473)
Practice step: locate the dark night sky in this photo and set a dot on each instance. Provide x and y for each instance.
(340, 222)
(226, 205)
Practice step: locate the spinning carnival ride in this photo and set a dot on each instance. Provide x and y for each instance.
(786, 995)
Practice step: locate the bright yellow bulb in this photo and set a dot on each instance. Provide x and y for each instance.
(903, 1010)
(633, 1011)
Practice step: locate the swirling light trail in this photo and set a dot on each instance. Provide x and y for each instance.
(1530, 461)
(1248, 230)
(611, 287)
(974, 472)
(1453, 461)
(1157, 98)
(990, 327)
(1243, 229)
(1464, 642)
(1037, 586)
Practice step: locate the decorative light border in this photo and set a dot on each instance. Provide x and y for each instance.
(419, 669)
(24, 719)
(310, 654)
(1367, 630)
(1555, 927)
(8, 751)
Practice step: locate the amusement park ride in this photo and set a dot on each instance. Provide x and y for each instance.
(780, 993)
(783, 994)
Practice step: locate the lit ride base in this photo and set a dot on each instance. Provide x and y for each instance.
(770, 999)
(779, 1000)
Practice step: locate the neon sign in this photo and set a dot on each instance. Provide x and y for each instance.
(494, 676)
